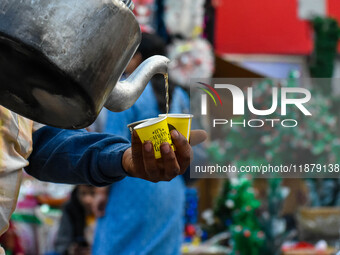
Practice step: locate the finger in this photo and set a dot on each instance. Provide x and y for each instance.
(136, 157)
(170, 164)
(150, 164)
(136, 146)
(197, 137)
(183, 150)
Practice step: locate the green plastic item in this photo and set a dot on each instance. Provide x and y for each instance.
(26, 218)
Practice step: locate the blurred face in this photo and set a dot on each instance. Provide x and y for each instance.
(86, 197)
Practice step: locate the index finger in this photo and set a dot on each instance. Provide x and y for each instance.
(183, 150)
(136, 145)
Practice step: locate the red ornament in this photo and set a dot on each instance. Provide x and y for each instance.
(247, 233)
(190, 230)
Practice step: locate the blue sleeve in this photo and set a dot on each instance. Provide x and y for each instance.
(116, 122)
(181, 104)
(77, 157)
(145, 107)
(180, 101)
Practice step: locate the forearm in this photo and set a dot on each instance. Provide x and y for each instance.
(77, 157)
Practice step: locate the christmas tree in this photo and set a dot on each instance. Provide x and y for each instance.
(246, 234)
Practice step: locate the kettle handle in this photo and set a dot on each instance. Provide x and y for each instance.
(129, 4)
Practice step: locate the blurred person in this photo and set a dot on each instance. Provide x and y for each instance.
(139, 217)
(75, 234)
(78, 157)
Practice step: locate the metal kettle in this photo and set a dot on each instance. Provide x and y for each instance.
(60, 60)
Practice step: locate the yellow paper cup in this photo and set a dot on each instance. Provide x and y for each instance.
(180, 122)
(156, 131)
(132, 126)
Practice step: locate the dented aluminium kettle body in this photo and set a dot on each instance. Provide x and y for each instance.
(60, 60)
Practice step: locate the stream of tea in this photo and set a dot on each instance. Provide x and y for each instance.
(166, 77)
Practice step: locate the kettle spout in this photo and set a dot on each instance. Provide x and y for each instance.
(126, 93)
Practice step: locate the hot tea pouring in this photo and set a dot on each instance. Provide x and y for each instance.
(60, 61)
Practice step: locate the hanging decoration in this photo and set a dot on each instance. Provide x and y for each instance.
(184, 18)
(190, 59)
(145, 13)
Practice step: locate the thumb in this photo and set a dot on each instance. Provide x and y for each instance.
(197, 137)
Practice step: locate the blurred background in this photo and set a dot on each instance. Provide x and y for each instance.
(264, 39)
